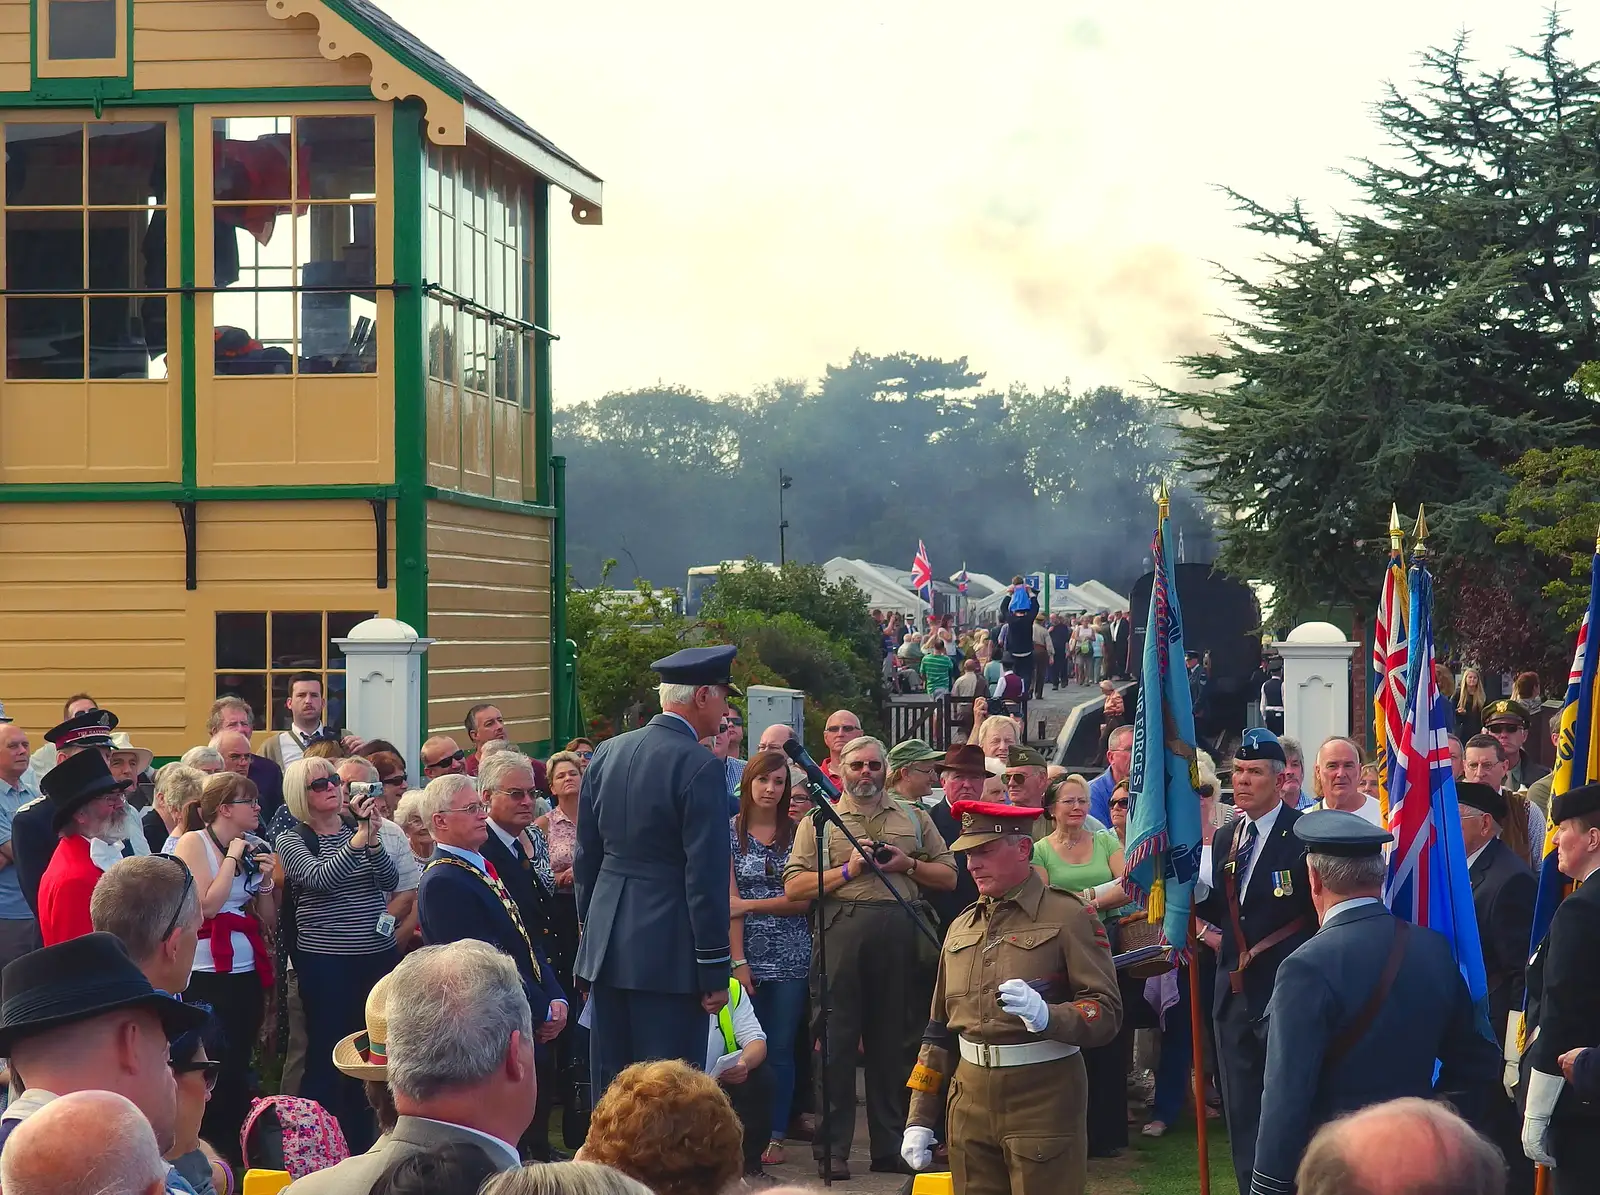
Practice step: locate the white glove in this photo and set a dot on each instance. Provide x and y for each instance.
(1511, 1075)
(1543, 1092)
(1020, 1000)
(916, 1147)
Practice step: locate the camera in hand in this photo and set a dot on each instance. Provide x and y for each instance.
(363, 788)
(883, 854)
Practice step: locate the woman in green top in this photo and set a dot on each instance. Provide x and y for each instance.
(936, 667)
(1090, 864)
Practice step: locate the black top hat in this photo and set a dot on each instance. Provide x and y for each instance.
(79, 979)
(76, 781)
(88, 728)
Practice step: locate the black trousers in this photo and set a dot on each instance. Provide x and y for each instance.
(752, 1102)
(237, 1002)
(1576, 1149)
(1242, 1067)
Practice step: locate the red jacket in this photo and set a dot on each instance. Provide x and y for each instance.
(65, 890)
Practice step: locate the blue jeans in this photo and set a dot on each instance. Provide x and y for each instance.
(781, 1009)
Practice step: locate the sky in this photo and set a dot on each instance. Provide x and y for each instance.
(1035, 186)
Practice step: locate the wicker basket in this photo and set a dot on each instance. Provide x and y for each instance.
(1135, 932)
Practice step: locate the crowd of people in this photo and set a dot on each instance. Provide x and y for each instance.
(180, 941)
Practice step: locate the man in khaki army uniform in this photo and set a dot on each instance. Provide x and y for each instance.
(1025, 979)
(880, 969)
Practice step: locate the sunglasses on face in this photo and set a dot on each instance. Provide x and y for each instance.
(1016, 781)
(1121, 803)
(519, 794)
(445, 762)
(398, 781)
(209, 1069)
(867, 766)
(323, 783)
(843, 730)
(585, 754)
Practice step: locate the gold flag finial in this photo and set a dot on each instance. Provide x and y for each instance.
(1419, 537)
(1163, 500)
(1397, 536)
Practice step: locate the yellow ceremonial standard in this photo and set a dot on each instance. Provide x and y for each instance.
(277, 359)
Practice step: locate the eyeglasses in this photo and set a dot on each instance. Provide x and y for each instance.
(445, 762)
(399, 780)
(209, 1069)
(323, 783)
(256, 801)
(183, 897)
(519, 794)
(474, 808)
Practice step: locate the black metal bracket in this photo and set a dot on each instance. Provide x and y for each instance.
(380, 517)
(186, 514)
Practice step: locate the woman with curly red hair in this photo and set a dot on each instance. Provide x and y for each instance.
(669, 1126)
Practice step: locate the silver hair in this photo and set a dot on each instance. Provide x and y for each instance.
(408, 809)
(1349, 875)
(493, 769)
(177, 785)
(113, 1149)
(228, 734)
(134, 901)
(452, 1011)
(196, 757)
(362, 762)
(563, 1178)
(675, 694)
(441, 793)
(1292, 750)
(861, 743)
(1125, 731)
(496, 747)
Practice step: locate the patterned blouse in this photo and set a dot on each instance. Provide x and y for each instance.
(776, 947)
(562, 840)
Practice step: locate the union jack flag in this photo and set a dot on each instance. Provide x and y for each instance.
(922, 573)
(1389, 651)
(1428, 883)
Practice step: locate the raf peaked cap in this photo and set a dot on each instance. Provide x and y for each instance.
(1483, 798)
(1505, 711)
(984, 821)
(76, 781)
(1576, 802)
(1335, 832)
(1260, 743)
(699, 666)
(91, 728)
(77, 980)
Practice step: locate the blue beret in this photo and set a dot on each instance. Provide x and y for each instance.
(699, 666)
(1335, 832)
(1260, 743)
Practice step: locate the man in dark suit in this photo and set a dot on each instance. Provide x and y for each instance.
(1560, 1128)
(450, 1010)
(462, 896)
(1503, 892)
(1258, 906)
(651, 874)
(1360, 1013)
(961, 774)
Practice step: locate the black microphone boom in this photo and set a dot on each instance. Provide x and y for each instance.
(797, 752)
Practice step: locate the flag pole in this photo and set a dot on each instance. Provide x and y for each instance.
(1197, 1039)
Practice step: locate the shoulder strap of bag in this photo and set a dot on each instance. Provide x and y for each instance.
(1357, 1029)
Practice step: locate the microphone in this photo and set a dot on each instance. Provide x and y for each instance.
(796, 751)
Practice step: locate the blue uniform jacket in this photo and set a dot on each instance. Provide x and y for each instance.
(1320, 989)
(651, 868)
(455, 903)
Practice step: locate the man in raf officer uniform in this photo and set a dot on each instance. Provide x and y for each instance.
(651, 874)
(1360, 1013)
(1025, 979)
(1258, 903)
(1560, 1128)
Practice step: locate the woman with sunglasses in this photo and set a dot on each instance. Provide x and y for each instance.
(583, 749)
(338, 874)
(235, 875)
(195, 1075)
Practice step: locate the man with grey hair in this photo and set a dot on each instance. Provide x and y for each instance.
(234, 713)
(85, 1143)
(357, 769)
(1361, 1012)
(150, 904)
(1338, 778)
(881, 977)
(650, 873)
(1291, 781)
(1403, 1147)
(1255, 899)
(460, 1064)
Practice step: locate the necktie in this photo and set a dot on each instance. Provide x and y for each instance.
(493, 874)
(522, 855)
(1247, 847)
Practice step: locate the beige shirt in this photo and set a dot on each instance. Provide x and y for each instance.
(884, 822)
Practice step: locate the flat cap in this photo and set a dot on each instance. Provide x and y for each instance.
(700, 666)
(1335, 832)
(1260, 743)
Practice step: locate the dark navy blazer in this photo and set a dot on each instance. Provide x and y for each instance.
(652, 863)
(456, 903)
(1320, 990)
(1564, 996)
(1503, 892)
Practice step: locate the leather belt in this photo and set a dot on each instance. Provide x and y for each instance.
(1022, 1054)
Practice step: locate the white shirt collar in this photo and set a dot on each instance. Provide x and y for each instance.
(507, 837)
(685, 721)
(1473, 858)
(471, 857)
(505, 1148)
(1266, 821)
(1344, 906)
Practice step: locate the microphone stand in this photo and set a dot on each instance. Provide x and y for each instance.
(824, 815)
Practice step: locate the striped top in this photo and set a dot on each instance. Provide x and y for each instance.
(338, 893)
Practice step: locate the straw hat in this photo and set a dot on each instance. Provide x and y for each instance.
(364, 1055)
(122, 744)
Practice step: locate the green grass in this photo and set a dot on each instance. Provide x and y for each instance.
(1167, 1165)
